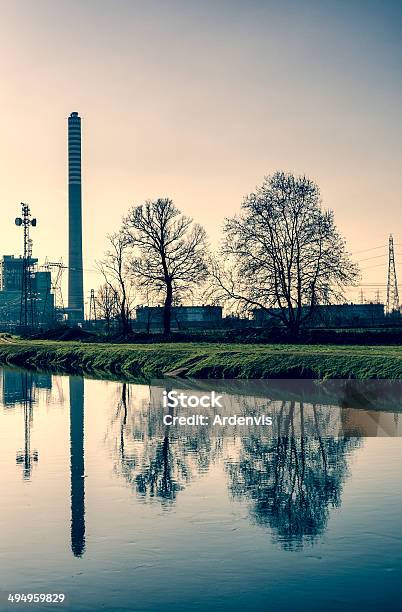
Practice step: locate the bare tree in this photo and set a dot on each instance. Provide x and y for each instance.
(115, 270)
(283, 253)
(107, 303)
(169, 252)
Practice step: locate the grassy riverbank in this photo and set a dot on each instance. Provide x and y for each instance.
(206, 360)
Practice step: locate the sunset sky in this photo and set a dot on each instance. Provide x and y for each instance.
(198, 100)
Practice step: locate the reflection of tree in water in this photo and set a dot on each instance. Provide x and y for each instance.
(294, 477)
(154, 458)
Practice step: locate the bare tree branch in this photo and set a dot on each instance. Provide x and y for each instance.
(115, 271)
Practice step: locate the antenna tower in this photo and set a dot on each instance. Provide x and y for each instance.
(27, 298)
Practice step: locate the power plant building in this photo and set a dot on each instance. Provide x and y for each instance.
(75, 272)
(183, 317)
(332, 315)
(41, 298)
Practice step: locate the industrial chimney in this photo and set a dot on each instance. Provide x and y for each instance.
(75, 275)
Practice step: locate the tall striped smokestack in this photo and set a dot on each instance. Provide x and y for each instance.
(75, 274)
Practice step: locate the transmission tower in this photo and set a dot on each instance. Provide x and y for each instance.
(56, 269)
(392, 284)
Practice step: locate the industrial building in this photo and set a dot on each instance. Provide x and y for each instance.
(333, 315)
(26, 296)
(41, 299)
(75, 271)
(150, 318)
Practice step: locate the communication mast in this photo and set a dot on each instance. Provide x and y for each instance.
(392, 284)
(27, 299)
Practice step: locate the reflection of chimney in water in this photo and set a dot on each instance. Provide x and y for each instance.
(77, 465)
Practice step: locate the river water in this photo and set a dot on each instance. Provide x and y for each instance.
(104, 503)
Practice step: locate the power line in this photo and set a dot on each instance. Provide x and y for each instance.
(375, 266)
(383, 246)
(374, 257)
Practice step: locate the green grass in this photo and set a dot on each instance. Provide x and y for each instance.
(206, 360)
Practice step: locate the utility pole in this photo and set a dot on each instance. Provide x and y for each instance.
(392, 284)
(92, 306)
(25, 221)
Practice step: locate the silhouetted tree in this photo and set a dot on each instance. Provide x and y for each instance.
(283, 253)
(169, 252)
(107, 304)
(115, 270)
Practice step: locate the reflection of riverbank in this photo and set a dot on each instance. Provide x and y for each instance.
(290, 474)
(258, 513)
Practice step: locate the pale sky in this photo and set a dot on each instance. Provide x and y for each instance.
(198, 100)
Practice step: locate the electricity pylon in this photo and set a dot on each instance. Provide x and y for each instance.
(392, 284)
(56, 270)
